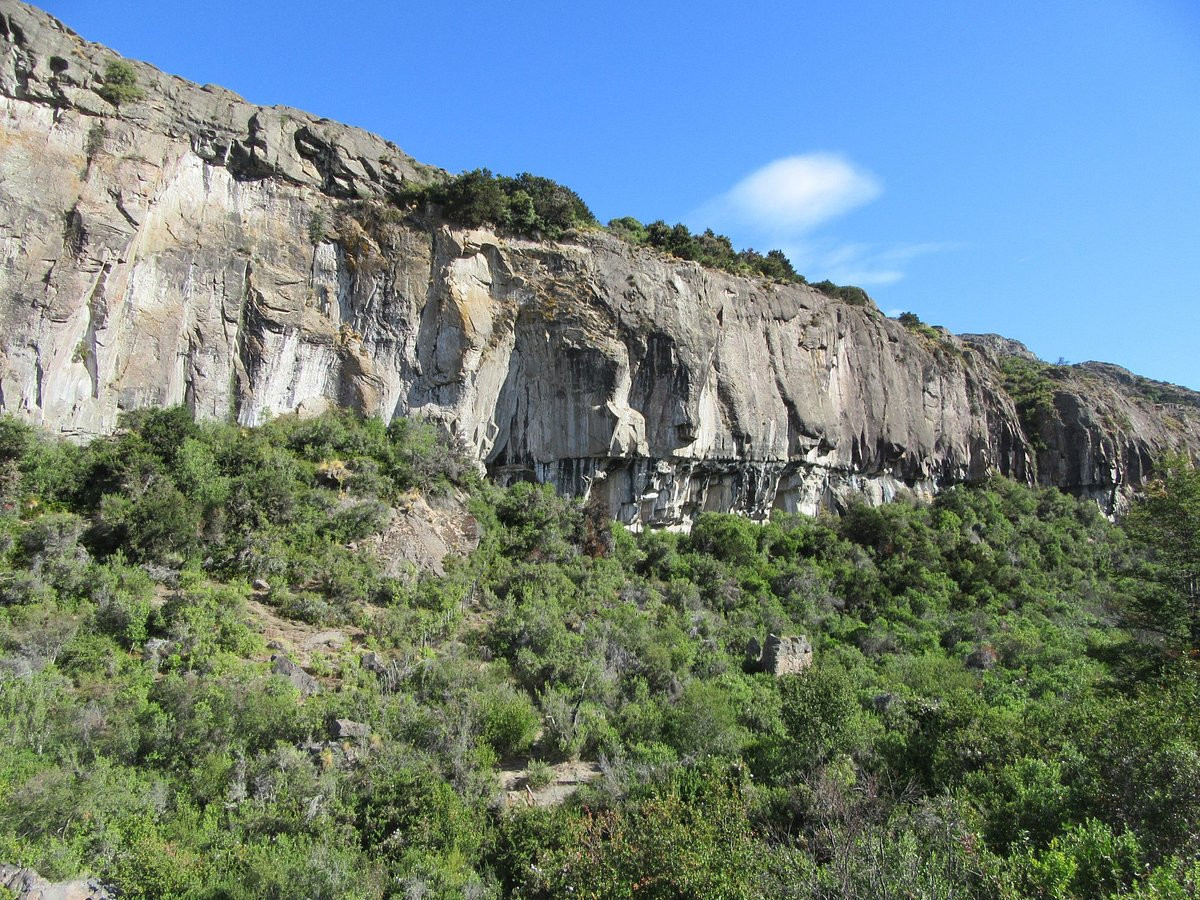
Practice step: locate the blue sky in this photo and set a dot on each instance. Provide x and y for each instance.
(1027, 168)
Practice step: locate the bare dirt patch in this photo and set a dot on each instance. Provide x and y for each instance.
(567, 778)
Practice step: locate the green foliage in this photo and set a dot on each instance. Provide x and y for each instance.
(318, 227)
(820, 717)
(1164, 525)
(510, 723)
(850, 293)
(704, 721)
(538, 774)
(627, 228)
(716, 251)
(974, 723)
(15, 438)
(120, 83)
(1163, 392)
(122, 596)
(690, 838)
(913, 323)
(1087, 860)
(1031, 386)
(528, 204)
(709, 249)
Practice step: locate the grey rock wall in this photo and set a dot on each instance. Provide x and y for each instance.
(246, 261)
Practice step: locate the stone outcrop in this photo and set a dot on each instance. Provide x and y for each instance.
(982, 659)
(781, 655)
(1107, 428)
(192, 248)
(786, 655)
(303, 682)
(26, 884)
(349, 730)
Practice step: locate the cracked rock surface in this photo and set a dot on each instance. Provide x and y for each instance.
(189, 247)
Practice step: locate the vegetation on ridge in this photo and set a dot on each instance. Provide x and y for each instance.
(528, 204)
(708, 249)
(977, 722)
(1031, 384)
(539, 207)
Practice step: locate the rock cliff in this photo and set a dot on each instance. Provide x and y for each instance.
(189, 247)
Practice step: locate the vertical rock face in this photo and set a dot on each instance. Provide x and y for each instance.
(191, 248)
(1107, 428)
(1104, 426)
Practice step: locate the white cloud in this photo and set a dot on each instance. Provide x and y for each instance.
(797, 193)
(787, 202)
(861, 264)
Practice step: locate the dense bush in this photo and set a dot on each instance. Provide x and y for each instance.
(120, 83)
(532, 205)
(1164, 525)
(849, 293)
(709, 249)
(1031, 384)
(716, 251)
(527, 204)
(974, 723)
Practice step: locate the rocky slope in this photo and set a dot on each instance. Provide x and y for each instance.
(189, 247)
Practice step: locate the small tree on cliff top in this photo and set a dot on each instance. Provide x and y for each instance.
(120, 83)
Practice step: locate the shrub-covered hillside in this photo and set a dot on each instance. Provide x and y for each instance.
(569, 709)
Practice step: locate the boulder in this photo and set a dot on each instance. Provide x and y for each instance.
(27, 884)
(781, 655)
(303, 682)
(347, 729)
(373, 662)
(982, 658)
(157, 649)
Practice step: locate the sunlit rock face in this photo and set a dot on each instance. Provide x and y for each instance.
(192, 248)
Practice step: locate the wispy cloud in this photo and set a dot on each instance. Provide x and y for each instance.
(797, 193)
(866, 265)
(787, 202)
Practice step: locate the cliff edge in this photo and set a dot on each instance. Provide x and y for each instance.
(188, 247)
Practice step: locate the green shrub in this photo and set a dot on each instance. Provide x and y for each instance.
(913, 323)
(528, 204)
(821, 716)
(1031, 386)
(510, 722)
(849, 293)
(709, 249)
(318, 227)
(703, 722)
(893, 766)
(1086, 860)
(692, 838)
(122, 595)
(120, 83)
(538, 773)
